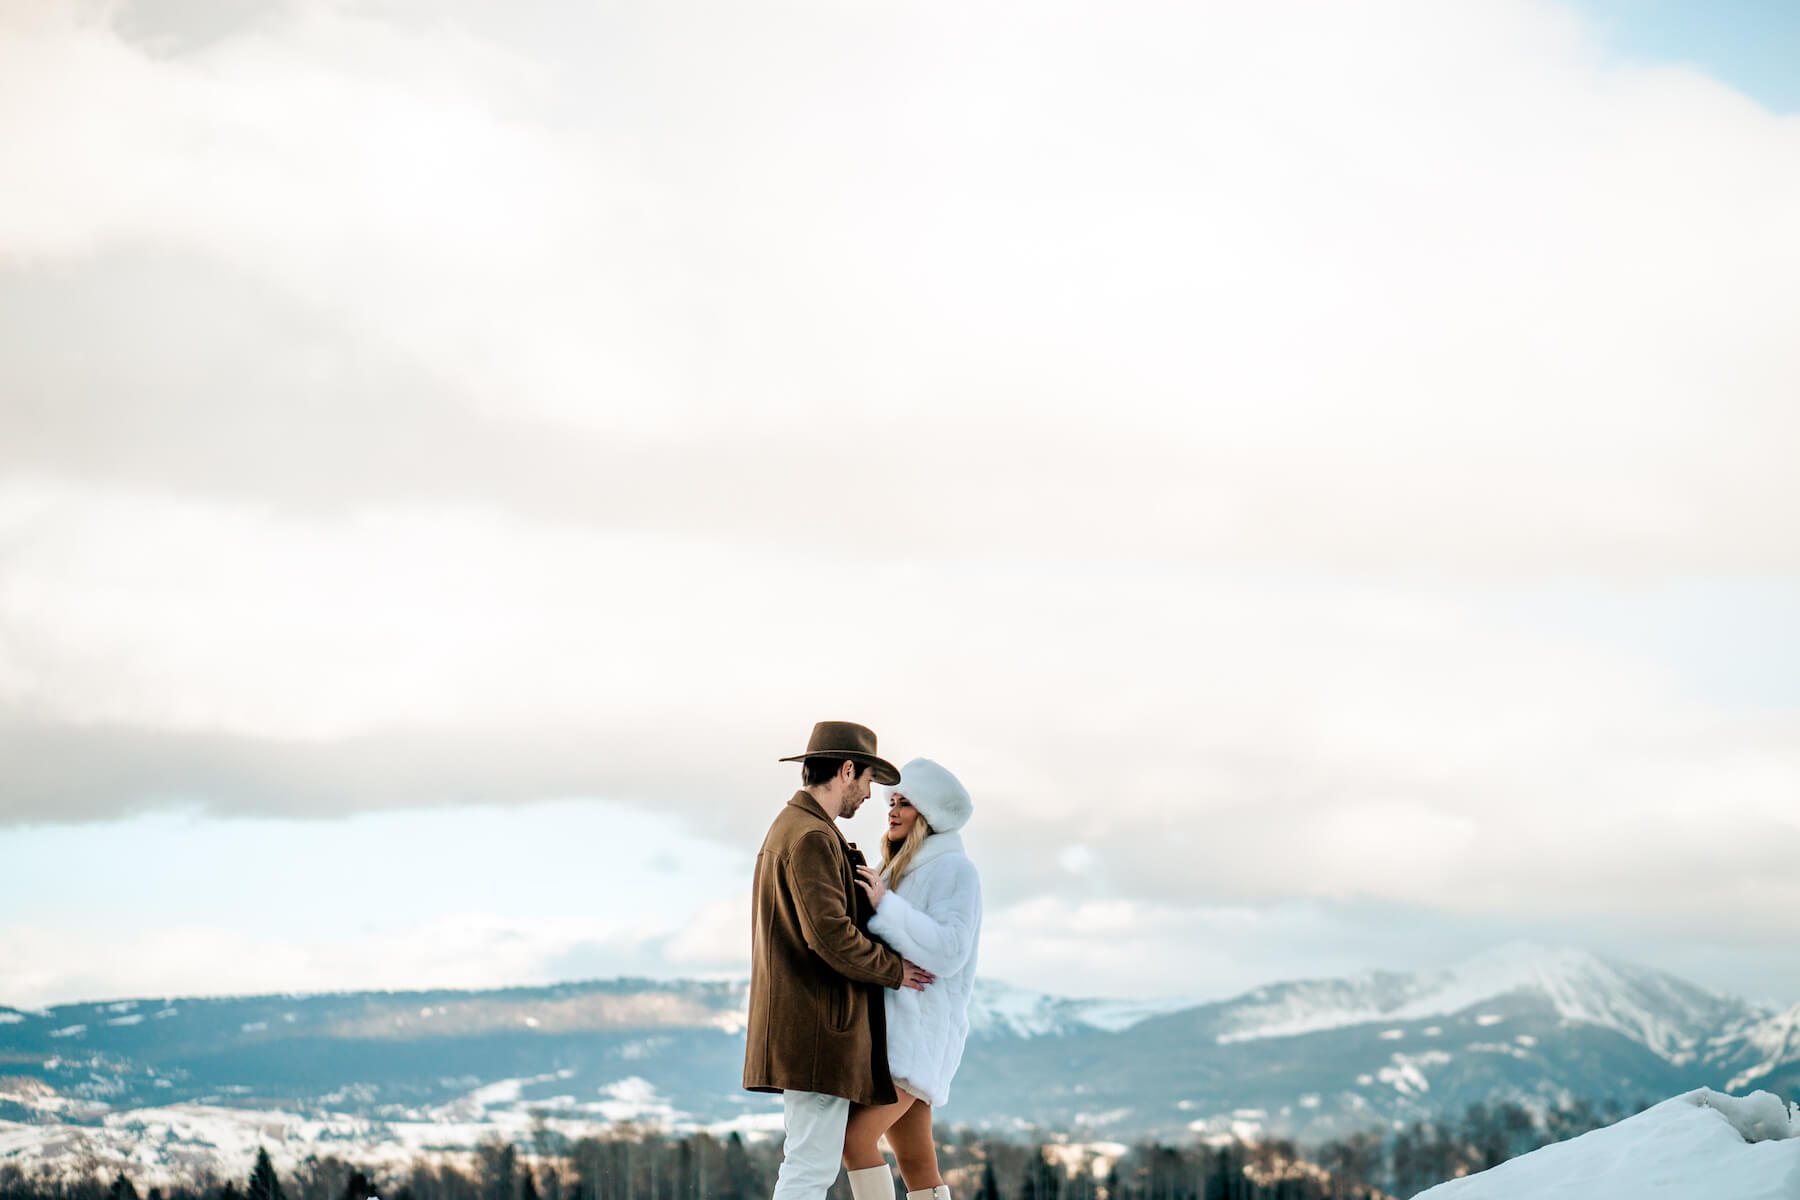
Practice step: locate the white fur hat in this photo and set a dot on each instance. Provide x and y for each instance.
(940, 798)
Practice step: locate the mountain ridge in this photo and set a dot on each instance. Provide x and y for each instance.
(390, 1074)
(1004, 1007)
(1583, 985)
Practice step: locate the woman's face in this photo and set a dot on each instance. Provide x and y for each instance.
(901, 816)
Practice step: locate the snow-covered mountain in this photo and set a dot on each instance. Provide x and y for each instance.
(1001, 1010)
(1761, 1050)
(1670, 1017)
(386, 1075)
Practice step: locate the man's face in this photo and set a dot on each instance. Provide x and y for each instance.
(856, 788)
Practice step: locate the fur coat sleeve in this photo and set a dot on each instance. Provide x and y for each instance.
(940, 940)
(933, 918)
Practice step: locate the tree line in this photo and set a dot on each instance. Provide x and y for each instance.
(632, 1163)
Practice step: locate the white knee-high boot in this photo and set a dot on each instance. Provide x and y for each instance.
(940, 1192)
(872, 1183)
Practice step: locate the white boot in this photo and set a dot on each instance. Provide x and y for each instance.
(872, 1183)
(940, 1192)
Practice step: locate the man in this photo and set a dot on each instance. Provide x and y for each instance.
(818, 1027)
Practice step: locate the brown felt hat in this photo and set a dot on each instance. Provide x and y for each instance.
(846, 739)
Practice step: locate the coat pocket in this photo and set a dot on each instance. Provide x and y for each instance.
(839, 1003)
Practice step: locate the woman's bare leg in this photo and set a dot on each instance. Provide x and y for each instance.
(862, 1136)
(914, 1147)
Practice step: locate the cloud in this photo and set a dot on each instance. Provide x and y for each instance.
(1229, 283)
(717, 938)
(1210, 738)
(472, 895)
(1148, 416)
(1143, 948)
(382, 173)
(1128, 948)
(49, 965)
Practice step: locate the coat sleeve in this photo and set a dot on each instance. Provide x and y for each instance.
(825, 921)
(940, 938)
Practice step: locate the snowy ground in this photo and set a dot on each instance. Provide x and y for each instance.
(1702, 1145)
(170, 1143)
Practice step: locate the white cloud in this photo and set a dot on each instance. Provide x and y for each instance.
(1395, 284)
(718, 937)
(1145, 948)
(1193, 730)
(44, 964)
(391, 177)
(1135, 412)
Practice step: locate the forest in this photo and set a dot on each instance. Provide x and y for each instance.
(628, 1162)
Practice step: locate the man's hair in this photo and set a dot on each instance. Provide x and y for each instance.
(815, 772)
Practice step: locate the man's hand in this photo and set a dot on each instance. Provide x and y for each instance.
(917, 977)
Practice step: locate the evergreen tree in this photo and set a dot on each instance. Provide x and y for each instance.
(499, 1170)
(742, 1181)
(1041, 1181)
(528, 1186)
(122, 1189)
(263, 1184)
(990, 1187)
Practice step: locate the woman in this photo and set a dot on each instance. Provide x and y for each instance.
(927, 899)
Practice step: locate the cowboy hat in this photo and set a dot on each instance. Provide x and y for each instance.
(846, 739)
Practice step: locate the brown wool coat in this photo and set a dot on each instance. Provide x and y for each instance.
(817, 1019)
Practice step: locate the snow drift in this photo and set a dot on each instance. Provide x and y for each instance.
(1702, 1145)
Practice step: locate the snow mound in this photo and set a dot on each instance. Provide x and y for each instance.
(1702, 1145)
(1758, 1117)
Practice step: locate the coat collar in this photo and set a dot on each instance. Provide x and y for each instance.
(936, 846)
(803, 800)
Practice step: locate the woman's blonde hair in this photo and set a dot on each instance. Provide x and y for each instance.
(895, 861)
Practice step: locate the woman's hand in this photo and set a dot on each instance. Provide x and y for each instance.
(872, 884)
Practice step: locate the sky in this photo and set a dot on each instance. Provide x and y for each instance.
(1320, 475)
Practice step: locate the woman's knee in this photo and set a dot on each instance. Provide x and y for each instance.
(915, 1150)
(863, 1134)
(862, 1147)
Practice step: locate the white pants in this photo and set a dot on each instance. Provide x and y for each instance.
(815, 1144)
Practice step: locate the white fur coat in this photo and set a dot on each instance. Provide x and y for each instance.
(934, 919)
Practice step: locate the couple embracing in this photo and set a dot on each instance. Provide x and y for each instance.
(860, 975)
